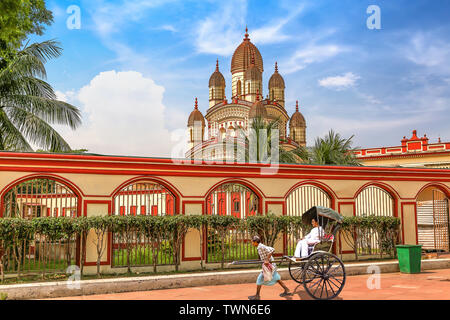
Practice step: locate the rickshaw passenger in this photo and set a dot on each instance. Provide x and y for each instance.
(312, 238)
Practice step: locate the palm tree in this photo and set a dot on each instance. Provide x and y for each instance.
(263, 132)
(28, 104)
(333, 149)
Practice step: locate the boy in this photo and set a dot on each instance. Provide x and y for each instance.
(265, 254)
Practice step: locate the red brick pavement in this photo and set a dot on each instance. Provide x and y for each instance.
(432, 284)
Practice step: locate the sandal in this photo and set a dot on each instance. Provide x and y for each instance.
(285, 294)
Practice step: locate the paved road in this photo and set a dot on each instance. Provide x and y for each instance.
(432, 284)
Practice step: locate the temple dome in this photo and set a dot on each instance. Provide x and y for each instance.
(196, 116)
(297, 119)
(257, 109)
(276, 80)
(242, 56)
(253, 73)
(217, 79)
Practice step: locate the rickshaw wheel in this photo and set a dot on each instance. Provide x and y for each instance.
(296, 271)
(324, 276)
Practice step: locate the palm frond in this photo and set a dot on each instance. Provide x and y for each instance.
(37, 131)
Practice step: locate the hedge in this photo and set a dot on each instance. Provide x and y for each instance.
(16, 232)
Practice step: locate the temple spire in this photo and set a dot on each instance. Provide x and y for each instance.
(276, 67)
(196, 104)
(296, 106)
(217, 65)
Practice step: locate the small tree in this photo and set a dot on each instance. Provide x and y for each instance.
(222, 225)
(82, 227)
(350, 231)
(128, 229)
(22, 234)
(6, 243)
(178, 226)
(268, 227)
(101, 226)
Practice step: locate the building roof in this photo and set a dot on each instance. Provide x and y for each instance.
(253, 73)
(257, 109)
(196, 116)
(217, 79)
(242, 56)
(297, 119)
(276, 80)
(409, 147)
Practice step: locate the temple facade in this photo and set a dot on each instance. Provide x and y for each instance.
(230, 121)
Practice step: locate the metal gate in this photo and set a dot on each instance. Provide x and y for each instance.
(375, 201)
(440, 221)
(231, 199)
(299, 201)
(34, 198)
(143, 198)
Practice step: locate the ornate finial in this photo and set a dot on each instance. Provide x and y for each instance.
(217, 65)
(196, 104)
(276, 67)
(246, 33)
(439, 140)
(296, 106)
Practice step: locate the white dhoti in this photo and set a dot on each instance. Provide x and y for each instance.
(301, 250)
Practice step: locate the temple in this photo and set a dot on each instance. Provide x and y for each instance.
(229, 121)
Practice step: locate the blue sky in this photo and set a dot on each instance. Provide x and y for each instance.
(135, 67)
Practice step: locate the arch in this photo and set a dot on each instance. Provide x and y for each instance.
(145, 195)
(432, 217)
(234, 190)
(52, 200)
(324, 187)
(437, 185)
(389, 189)
(306, 194)
(375, 199)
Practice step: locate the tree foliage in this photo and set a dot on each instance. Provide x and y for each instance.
(28, 104)
(18, 20)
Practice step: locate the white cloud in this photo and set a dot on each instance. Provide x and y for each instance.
(220, 33)
(110, 18)
(272, 32)
(167, 27)
(339, 82)
(311, 54)
(428, 50)
(123, 115)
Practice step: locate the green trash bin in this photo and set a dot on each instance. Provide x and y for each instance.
(409, 258)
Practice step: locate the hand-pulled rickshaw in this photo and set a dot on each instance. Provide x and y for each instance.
(321, 272)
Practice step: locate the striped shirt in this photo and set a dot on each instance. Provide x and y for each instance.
(264, 252)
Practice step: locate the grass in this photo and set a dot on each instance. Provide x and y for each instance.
(233, 252)
(141, 256)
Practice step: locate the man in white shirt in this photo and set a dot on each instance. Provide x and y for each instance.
(301, 250)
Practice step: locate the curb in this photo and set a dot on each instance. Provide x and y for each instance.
(59, 289)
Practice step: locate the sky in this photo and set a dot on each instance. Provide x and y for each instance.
(135, 67)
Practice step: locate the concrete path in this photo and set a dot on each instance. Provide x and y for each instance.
(431, 284)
